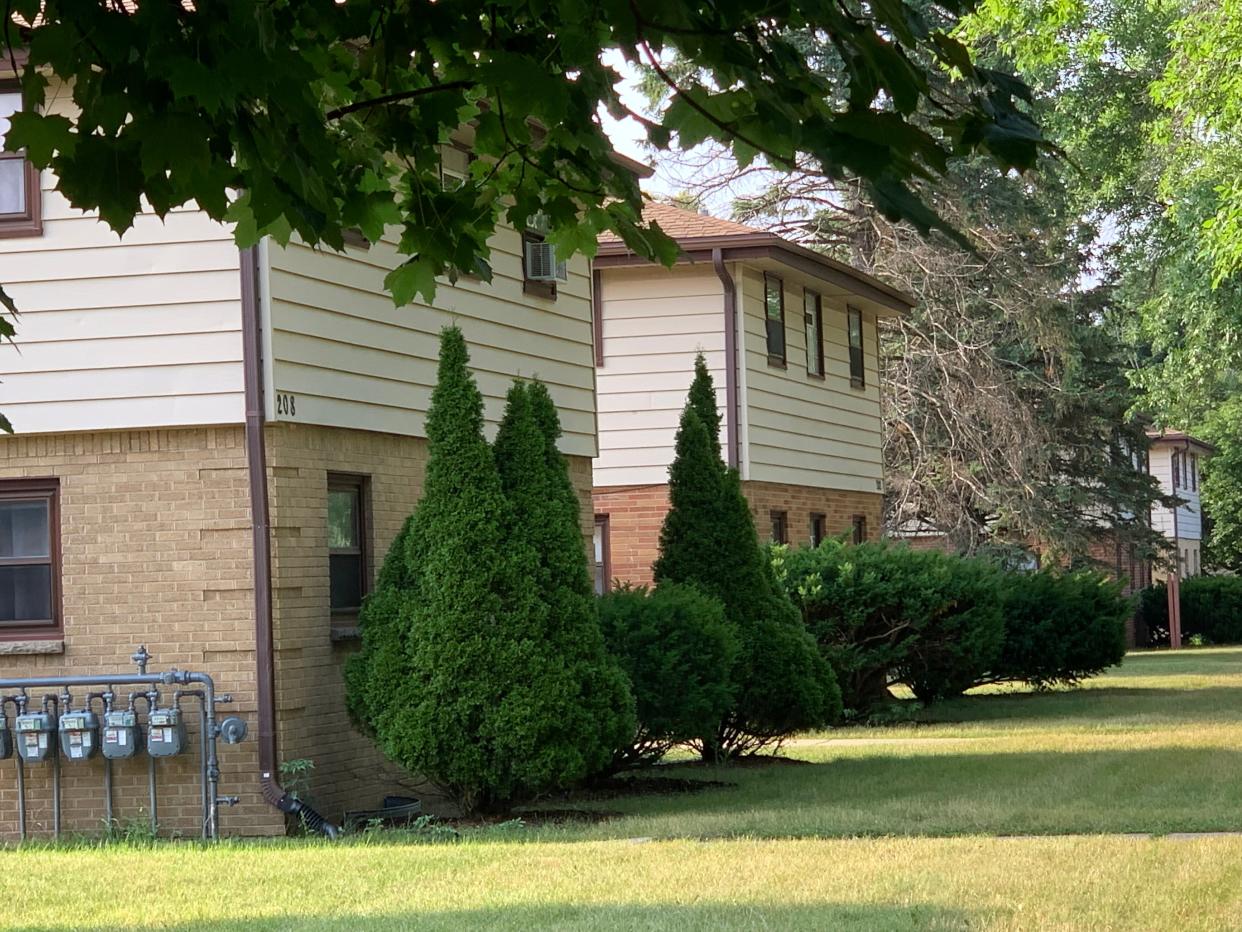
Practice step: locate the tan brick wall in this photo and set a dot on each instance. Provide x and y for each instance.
(635, 514)
(155, 532)
(350, 773)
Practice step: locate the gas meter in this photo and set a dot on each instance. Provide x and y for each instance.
(79, 735)
(34, 736)
(120, 734)
(166, 732)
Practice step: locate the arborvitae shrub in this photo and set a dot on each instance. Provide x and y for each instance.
(679, 652)
(1060, 627)
(465, 676)
(590, 713)
(708, 540)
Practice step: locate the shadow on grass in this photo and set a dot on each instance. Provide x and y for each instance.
(835, 916)
(1106, 705)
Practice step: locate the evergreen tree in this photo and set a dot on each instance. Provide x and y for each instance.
(781, 684)
(589, 708)
(460, 679)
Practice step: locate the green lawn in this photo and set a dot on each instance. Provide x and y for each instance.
(884, 829)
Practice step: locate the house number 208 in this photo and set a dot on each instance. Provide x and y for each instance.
(286, 404)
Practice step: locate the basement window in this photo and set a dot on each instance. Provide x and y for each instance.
(859, 529)
(348, 574)
(780, 527)
(30, 571)
(819, 528)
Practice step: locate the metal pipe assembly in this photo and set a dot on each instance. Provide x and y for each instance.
(59, 730)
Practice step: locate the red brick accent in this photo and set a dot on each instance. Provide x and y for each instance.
(636, 512)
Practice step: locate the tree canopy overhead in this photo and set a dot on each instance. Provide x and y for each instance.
(329, 117)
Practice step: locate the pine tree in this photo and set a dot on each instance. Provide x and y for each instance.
(592, 710)
(708, 539)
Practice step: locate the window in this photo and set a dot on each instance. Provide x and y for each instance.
(813, 314)
(454, 167)
(20, 208)
(858, 376)
(1192, 472)
(1177, 470)
(348, 574)
(29, 557)
(780, 527)
(603, 555)
(860, 529)
(541, 270)
(774, 318)
(819, 529)
(1195, 554)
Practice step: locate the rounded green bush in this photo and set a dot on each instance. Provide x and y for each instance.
(678, 651)
(1211, 609)
(1061, 627)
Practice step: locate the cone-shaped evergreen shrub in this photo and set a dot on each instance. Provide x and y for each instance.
(460, 678)
(708, 539)
(584, 694)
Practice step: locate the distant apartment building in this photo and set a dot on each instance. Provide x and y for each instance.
(1175, 460)
(790, 338)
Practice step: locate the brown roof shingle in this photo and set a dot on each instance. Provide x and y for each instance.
(680, 223)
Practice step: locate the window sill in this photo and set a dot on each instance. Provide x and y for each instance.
(858, 384)
(30, 647)
(343, 634)
(777, 363)
(815, 378)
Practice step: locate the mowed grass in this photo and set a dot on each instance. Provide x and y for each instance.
(884, 829)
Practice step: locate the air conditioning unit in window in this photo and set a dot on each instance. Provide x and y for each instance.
(542, 264)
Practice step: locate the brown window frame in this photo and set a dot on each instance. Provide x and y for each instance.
(858, 529)
(819, 528)
(359, 484)
(857, 354)
(604, 521)
(819, 331)
(27, 490)
(780, 526)
(30, 221)
(781, 360)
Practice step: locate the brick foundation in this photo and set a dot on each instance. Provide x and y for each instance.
(350, 772)
(635, 514)
(155, 544)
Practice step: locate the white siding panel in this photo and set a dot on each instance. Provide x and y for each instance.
(121, 332)
(802, 430)
(353, 359)
(654, 322)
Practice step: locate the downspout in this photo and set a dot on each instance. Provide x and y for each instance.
(256, 460)
(733, 419)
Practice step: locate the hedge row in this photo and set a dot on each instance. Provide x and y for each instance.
(883, 613)
(1211, 610)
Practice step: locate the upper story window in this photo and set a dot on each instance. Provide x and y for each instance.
(854, 327)
(813, 315)
(20, 205)
(1192, 472)
(348, 577)
(774, 318)
(541, 269)
(454, 166)
(1177, 470)
(29, 557)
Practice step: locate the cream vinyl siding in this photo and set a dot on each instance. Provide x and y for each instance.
(138, 331)
(343, 356)
(803, 430)
(1189, 515)
(654, 322)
